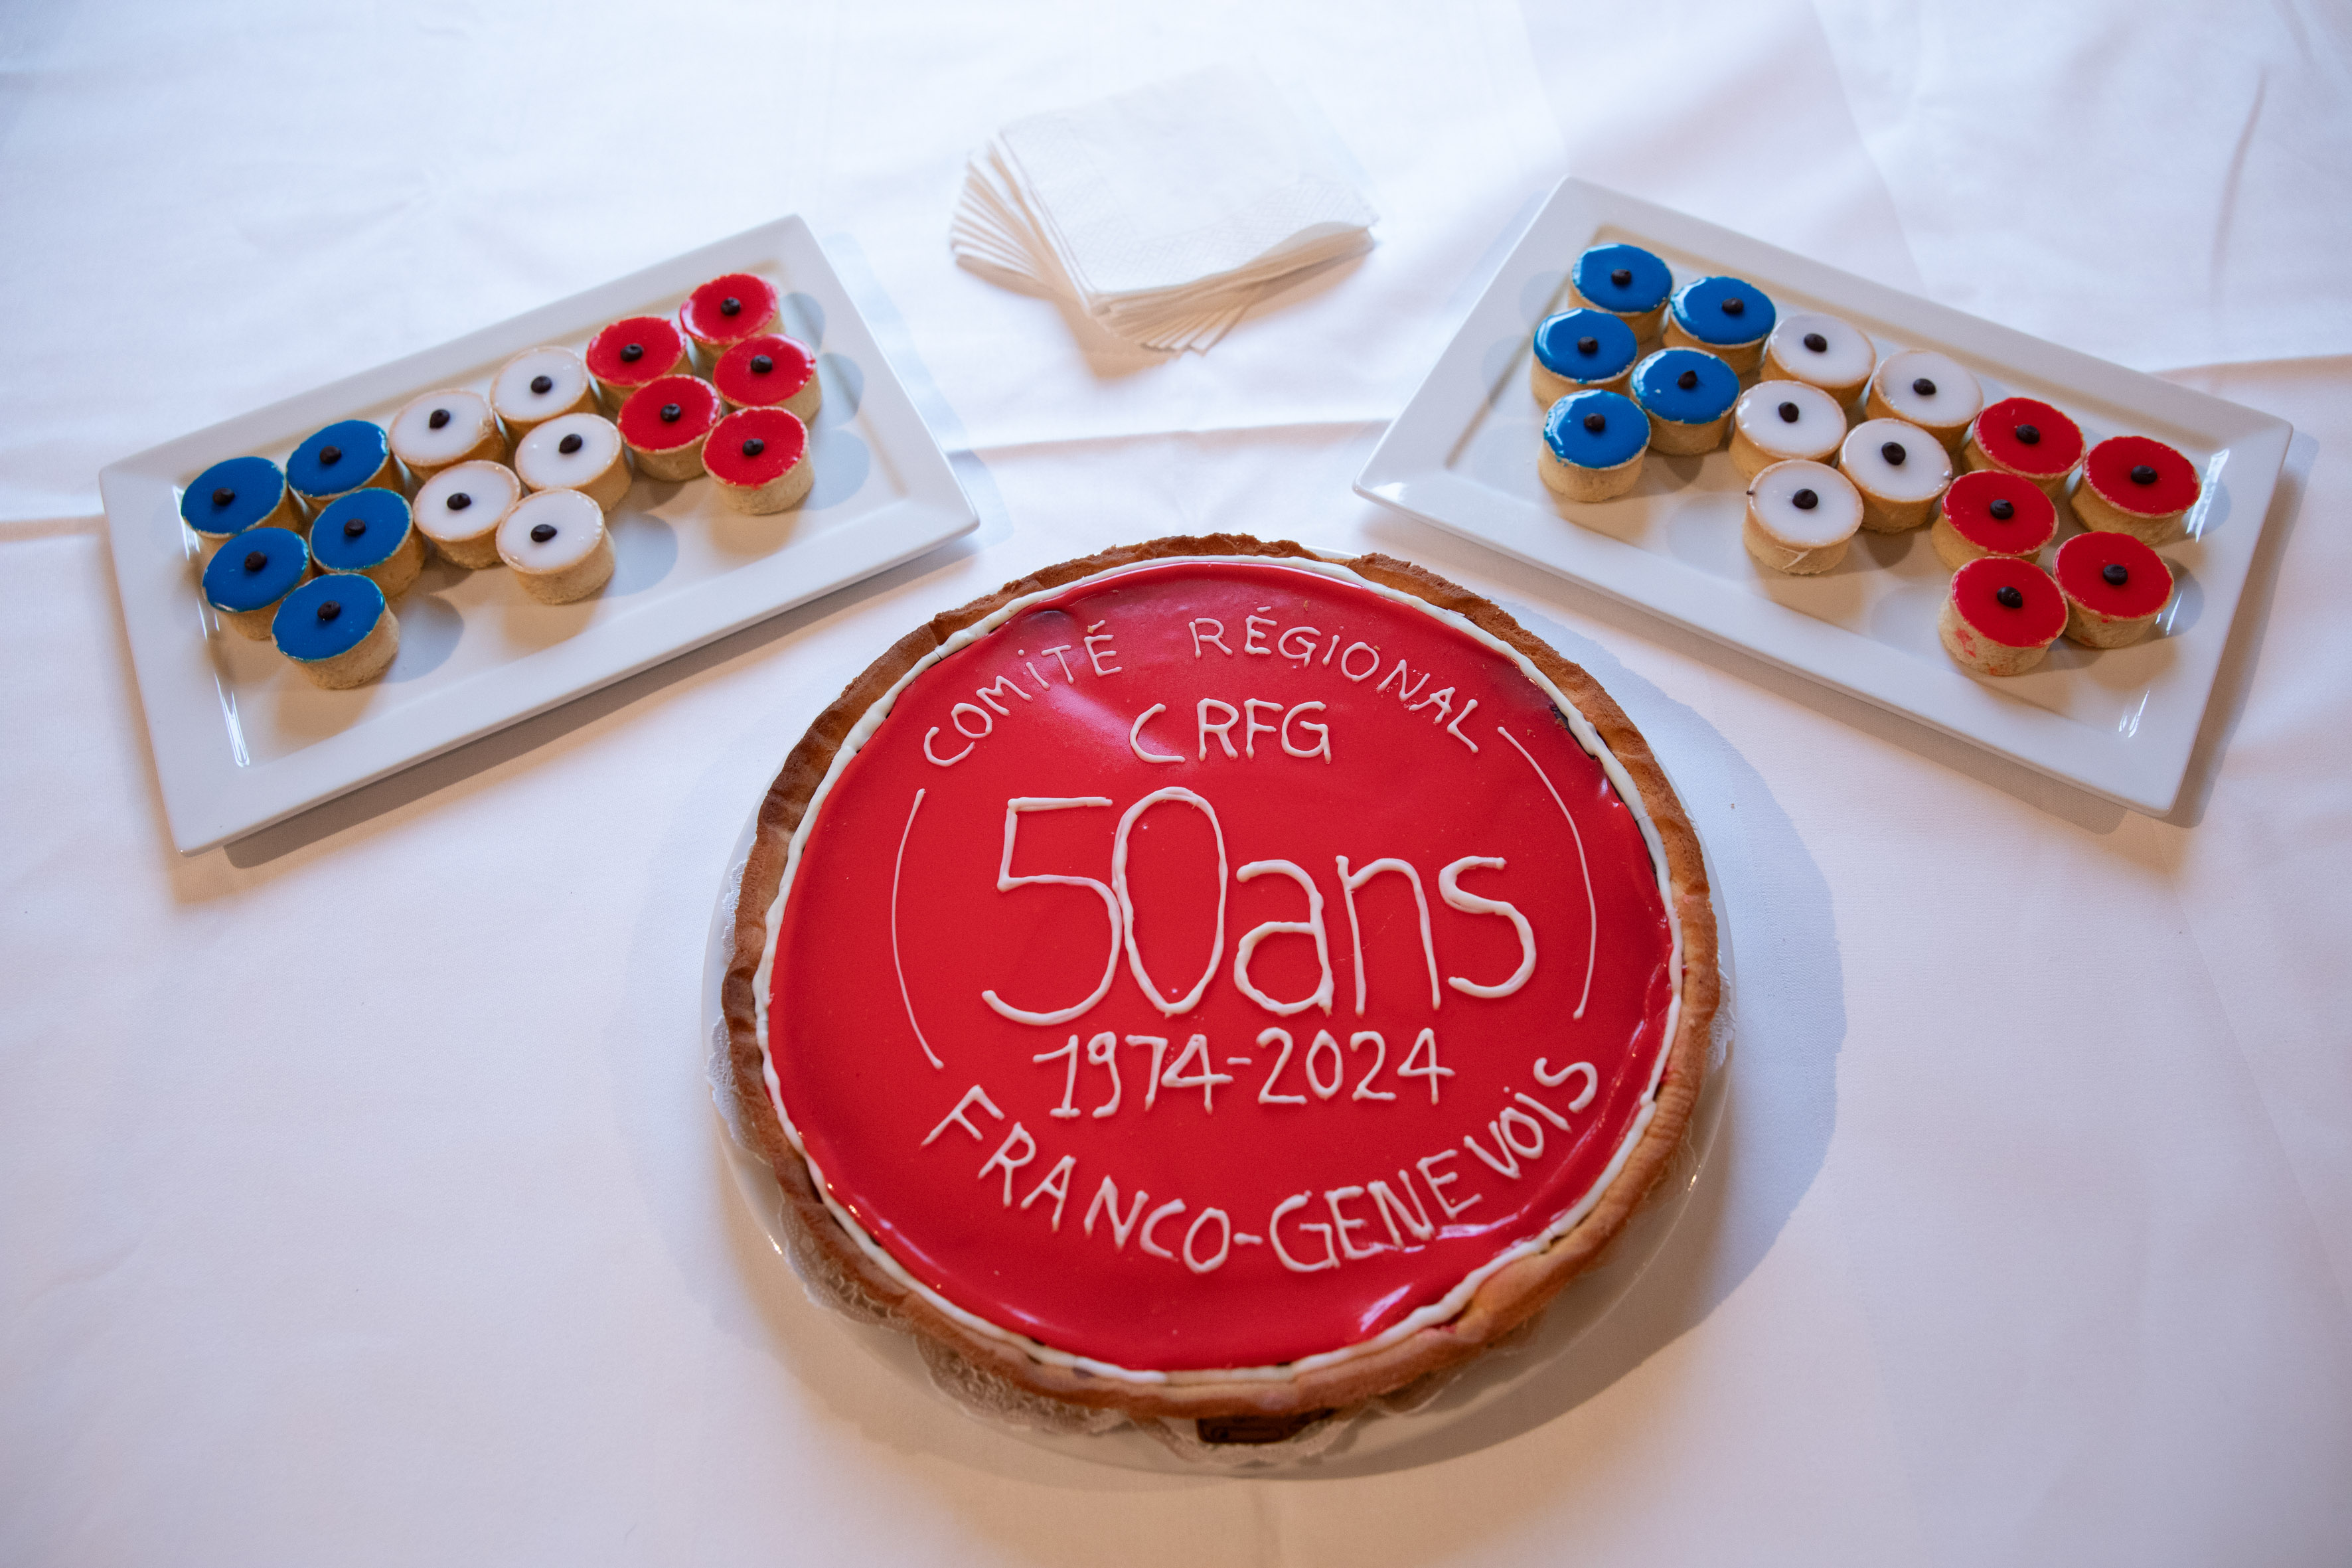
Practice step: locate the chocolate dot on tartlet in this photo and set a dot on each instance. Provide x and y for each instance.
(753, 446)
(2142, 474)
(762, 364)
(2028, 434)
(1596, 422)
(222, 496)
(1818, 343)
(329, 456)
(1735, 306)
(460, 501)
(570, 443)
(731, 306)
(255, 560)
(2002, 509)
(543, 385)
(540, 533)
(2116, 573)
(353, 529)
(438, 418)
(1923, 387)
(631, 353)
(1622, 276)
(1804, 501)
(1588, 345)
(1790, 414)
(1894, 453)
(1687, 380)
(671, 413)
(329, 609)
(2009, 597)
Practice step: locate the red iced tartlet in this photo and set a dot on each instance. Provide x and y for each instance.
(665, 422)
(2026, 436)
(2001, 616)
(768, 372)
(760, 458)
(633, 352)
(1987, 512)
(2114, 588)
(726, 310)
(2137, 486)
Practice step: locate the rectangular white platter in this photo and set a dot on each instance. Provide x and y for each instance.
(2118, 723)
(242, 740)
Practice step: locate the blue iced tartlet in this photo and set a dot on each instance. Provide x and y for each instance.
(1689, 395)
(372, 533)
(1625, 280)
(1580, 351)
(348, 455)
(338, 630)
(1729, 317)
(1592, 444)
(229, 497)
(247, 583)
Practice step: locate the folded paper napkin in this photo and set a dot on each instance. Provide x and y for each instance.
(1166, 212)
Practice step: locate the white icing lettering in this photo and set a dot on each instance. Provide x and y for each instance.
(1126, 903)
(1251, 638)
(1274, 1234)
(1554, 1079)
(1392, 1212)
(987, 721)
(1103, 1052)
(1437, 1185)
(988, 694)
(1449, 887)
(1311, 926)
(1223, 731)
(1591, 906)
(1398, 675)
(1056, 1185)
(1266, 1095)
(1341, 1224)
(1443, 698)
(896, 866)
(1069, 1106)
(1348, 660)
(1106, 1197)
(1299, 655)
(1042, 684)
(1243, 1239)
(957, 1118)
(931, 734)
(1057, 650)
(1006, 882)
(1507, 1164)
(1352, 881)
(1417, 1065)
(1323, 1042)
(1205, 1078)
(1364, 1089)
(1172, 1206)
(1322, 746)
(1135, 736)
(1251, 728)
(1216, 637)
(1335, 648)
(1503, 1126)
(1225, 1242)
(1159, 1044)
(1097, 655)
(1003, 1159)
(1455, 728)
(1545, 1111)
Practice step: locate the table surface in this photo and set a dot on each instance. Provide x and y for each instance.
(358, 1194)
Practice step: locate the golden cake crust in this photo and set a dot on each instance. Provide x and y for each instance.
(1504, 1301)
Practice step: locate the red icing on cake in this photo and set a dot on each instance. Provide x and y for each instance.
(2035, 623)
(643, 426)
(2082, 562)
(706, 319)
(1967, 506)
(894, 935)
(789, 366)
(2108, 470)
(782, 437)
(2059, 448)
(661, 342)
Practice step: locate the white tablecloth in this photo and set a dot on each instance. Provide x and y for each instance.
(359, 1195)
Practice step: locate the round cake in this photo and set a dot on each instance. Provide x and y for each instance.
(1206, 980)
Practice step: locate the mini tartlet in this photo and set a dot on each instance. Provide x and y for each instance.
(1688, 394)
(230, 497)
(1802, 517)
(2132, 484)
(1592, 446)
(1580, 350)
(2001, 616)
(246, 585)
(2025, 436)
(580, 452)
(348, 455)
(1729, 317)
(1784, 421)
(666, 423)
(1985, 512)
(633, 352)
(436, 430)
(557, 546)
(1821, 350)
(541, 384)
(726, 311)
(459, 510)
(770, 371)
(1900, 470)
(370, 532)
(1627, 281)
(1933, 391)
(2114, 585)
(338, 629)
(759, 460)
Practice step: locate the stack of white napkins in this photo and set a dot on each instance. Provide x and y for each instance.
(1166, 212)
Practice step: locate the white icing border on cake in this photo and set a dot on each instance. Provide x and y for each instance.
(1447, 1307)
